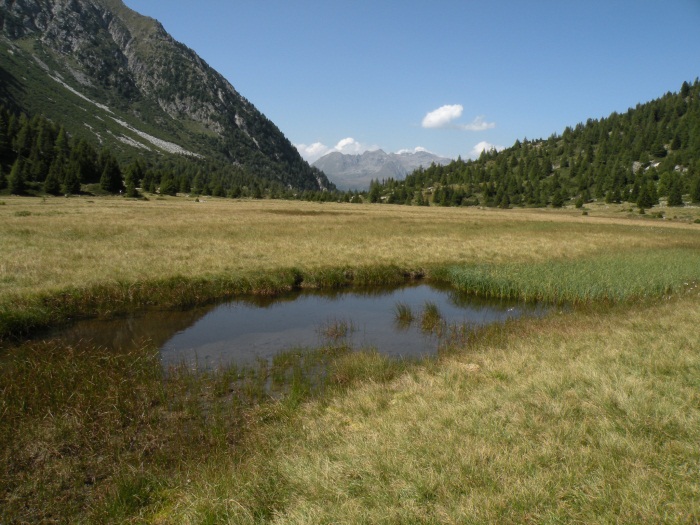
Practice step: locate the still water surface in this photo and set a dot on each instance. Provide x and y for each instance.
(248, 329)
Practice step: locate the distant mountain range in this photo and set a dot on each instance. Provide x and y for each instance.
(354, 172)
(119, 80)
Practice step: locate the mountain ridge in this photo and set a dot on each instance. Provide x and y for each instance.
(125, 68)
(355, 172)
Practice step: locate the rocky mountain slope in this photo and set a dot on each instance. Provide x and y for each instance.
(355, 172)
(118, 78)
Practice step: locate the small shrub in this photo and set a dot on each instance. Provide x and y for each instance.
(22, 213)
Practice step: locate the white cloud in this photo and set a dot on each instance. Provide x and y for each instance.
(312, 152)
(443, 116)
(484, 146)
(479, 124)
(348, 146)
(417, 149)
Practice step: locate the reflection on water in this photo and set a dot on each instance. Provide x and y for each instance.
(246, 330)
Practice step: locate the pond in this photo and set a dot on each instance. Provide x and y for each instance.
(246, 330)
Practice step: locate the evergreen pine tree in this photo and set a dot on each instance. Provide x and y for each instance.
(61, 148)
(557, 199)
(3, 179)
(131, 179)
(198, 183)
(111, 179)
(22, 142)
(694, 189)
(218, 191)
(675, 191)
(71, 178)
(167, 184)
(651, 190)
(4, 141)
(15, 181)
(664, 184)
(374, 192)
(685, 89)
(616, 195)
(643, 198)
(504, 202)
(676, 143)
(86, 157)
(52, 183)
(184, 183)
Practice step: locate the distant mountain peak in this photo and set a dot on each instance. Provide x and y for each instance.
(355, 172)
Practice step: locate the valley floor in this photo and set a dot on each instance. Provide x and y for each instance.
(591, 415)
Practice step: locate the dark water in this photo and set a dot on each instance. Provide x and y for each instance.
(246, 330)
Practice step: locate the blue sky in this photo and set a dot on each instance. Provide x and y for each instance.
(447, 76)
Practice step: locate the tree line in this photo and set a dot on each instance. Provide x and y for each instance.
(650, 152)
(38, 156)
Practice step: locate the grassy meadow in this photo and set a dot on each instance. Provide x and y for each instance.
(591, 415)
(64, 258)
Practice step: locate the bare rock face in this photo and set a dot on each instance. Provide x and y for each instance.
(128, 62)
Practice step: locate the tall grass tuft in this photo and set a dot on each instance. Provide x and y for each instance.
(403, 314)
(431, 318)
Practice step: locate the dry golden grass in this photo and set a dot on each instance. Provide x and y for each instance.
(579, 418)
(80, 242)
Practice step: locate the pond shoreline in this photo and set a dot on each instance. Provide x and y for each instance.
(25, 316)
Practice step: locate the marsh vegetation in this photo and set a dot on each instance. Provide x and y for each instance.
(591, 414)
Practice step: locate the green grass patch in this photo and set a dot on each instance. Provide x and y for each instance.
(618, 277)
(430, 318)
(403, 314)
